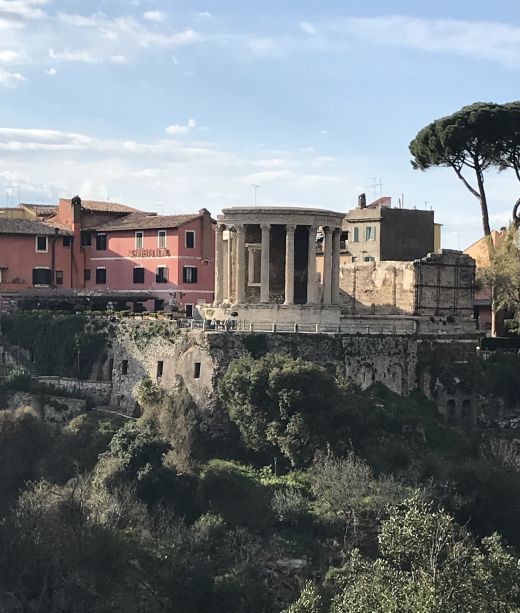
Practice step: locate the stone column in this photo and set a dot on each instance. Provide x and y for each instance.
(311, 266)
(335, 265)
(289, 264)
(219, 264)
(264, 268)
(327, 266)
(240, 296)
(229, 268)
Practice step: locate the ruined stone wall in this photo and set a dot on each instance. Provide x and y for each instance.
(378, 288)
(440, 284)
(445, 284)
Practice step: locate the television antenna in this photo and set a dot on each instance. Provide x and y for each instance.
(255, 188)
(375, 185)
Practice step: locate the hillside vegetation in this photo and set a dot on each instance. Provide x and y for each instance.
(320, 498)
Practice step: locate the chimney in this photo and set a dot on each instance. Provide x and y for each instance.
(362, 201)
(76, 209)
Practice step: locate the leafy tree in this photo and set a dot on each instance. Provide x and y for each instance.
(347, 491)
(504, 273)
(428, 564)
(471, 139)
(282, 405)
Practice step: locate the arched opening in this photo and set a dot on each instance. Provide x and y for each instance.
(467, 412)
(451, 410)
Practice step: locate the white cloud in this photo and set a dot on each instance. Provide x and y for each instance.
(204, 15)
(118, 59)
(154, 16)
(9, 56)
(72, 56)
(307, 27)
(10, 79)
(491, 40)
(23, 8)
(181, 129)
(51, 72)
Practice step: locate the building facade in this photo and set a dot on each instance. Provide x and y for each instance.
(33, 254)
(170, 257)
(105, 252)
(377, 232)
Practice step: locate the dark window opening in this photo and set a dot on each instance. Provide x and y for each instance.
(41, 276)
(161, 275)
(67, 241)
(101, 242)
(41, 243)
(86, 274)
(189, 310)
(86, 239)
(196, 371)
(190, 239)
(189, 274)
(138, 275)
(59, 277)
(124, 367)
(101, 276)
(160, 369)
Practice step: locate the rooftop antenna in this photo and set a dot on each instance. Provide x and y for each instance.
(255, 188)
(425, 205)
(375, 185)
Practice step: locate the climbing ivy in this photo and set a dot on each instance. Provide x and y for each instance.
(58, 344)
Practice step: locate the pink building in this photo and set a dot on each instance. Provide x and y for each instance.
(34, 254)
(97, 252)
(169, 258)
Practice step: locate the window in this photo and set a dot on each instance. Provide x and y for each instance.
(86, 239)
(124, 367)
(189, 310)
(86, 274)
(161, 275)
(189, 274)
(41, 276)
(354, 259)
(370, 258)
(196, 371)
(59, 277)
(139, 240)
(161, 239)
(101, 242)
(138, 274)
(356, 235)
(101, 276)
(370, 233)
(160, 369)
(41, 244)
(67, 241)
(190, 239)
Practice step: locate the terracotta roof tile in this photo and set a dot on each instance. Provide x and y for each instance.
(104, 207)
(142, 221)
(31, 226)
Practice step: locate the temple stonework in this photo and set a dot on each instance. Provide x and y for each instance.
(266, 265)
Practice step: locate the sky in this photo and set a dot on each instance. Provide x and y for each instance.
(175, 105)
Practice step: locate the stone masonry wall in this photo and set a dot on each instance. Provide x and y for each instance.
(378, 288)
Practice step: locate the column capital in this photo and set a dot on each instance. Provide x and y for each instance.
(265, 226)
(239, 228)
(290, 227)
(220, 227)
(313, 228)
(327, 229)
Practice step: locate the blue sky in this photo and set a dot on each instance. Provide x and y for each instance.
(175, 105)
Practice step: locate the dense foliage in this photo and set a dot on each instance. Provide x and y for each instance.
(81, 341)
(372, 505)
